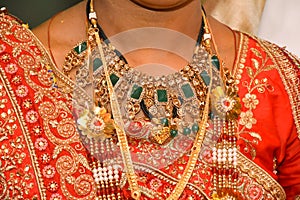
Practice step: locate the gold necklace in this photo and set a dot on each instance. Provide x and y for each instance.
(117, 125)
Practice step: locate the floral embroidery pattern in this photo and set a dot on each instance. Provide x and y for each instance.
(56, 197)
(16, 80)
(27, 104)
(155, 184)
(253, 84)
(12, 154)
(37, 130)
(45, 158)
(22, 91)
(49, 171)
(41, 144)
(5, 58)
(31, 116)
(11, 68)
(53, 186)
(2, 103)
(247, 119)
(250, 101)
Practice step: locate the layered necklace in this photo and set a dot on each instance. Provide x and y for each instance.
(113, 103)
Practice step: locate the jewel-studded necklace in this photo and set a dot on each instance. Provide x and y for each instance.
(177, 106)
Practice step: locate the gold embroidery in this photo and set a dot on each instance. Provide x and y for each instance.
(171, 180)
(289, 77)
(261, 177)
(250, 100)
(71, 164)
(12, 150)
(54, 116)
(247, 119)
(255, 82)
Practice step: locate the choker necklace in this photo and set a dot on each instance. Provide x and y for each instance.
(172, 108)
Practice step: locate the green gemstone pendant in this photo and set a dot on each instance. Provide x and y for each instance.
(205, 77)
(215, 61)
(97, 63)
(114, 79)
(162, 96)
(136, 92)
(81, 48)
(187, 90)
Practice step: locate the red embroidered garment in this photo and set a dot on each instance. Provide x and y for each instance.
(42, 157)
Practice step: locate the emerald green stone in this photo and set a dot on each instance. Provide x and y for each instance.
(114, 79)
(215, 61)
(211, 115)
(136, 92)
(97, 63)
(80, 48)
(162, 96)
(205, 77)
(164, 121)
(173, 133)
(187, 90)
(187, 131)
(195, 128)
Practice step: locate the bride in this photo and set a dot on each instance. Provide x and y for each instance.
(145, 99)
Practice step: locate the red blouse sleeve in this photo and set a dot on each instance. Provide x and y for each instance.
(289, 167)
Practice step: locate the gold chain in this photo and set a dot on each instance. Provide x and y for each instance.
(119, 125)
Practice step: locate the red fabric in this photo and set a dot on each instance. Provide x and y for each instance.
(41, 155)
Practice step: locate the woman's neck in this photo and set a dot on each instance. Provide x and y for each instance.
(172, 32)
(116, 16)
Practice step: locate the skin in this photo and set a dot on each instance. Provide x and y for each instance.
(117, 16)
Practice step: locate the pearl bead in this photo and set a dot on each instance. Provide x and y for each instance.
(116, 177)
(115, 166)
